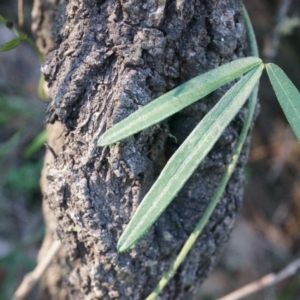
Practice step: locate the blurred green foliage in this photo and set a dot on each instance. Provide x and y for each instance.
(25, 177)
(21, 158)
(22, 136)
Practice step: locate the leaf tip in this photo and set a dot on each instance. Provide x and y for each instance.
(126, 241)
(121, 247)
(102, 141)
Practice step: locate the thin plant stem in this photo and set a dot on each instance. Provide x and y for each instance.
(24, 36)
(224, 180)
(214, 201)
(31, 278)
(264, 282)
(20, 13)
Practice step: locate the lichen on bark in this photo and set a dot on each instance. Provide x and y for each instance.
(112, 57)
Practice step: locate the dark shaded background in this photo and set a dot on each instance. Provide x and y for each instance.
(266, 235)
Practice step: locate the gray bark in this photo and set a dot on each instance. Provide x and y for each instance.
(111, 57)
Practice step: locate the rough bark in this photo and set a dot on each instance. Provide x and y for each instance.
(112, 57)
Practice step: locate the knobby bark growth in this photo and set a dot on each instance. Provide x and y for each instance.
(110, 58)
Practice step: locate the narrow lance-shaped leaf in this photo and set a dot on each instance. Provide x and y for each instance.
(251, 34)
(178, 98)
(225, 178)
(41, 88)
(10, 45)
(2, 19)
(288, 96)
(212, 203)
(189, 155)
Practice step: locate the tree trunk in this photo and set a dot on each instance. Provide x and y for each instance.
(112, 57)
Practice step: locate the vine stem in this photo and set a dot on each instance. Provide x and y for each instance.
(224, 180)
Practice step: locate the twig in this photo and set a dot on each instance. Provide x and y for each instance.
(20, 13)
(48, 147)
(272, 149)
(272, 41)
(31, 278)
(264, 282)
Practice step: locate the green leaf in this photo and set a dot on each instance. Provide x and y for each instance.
(287, 95)
(41, 88)
(177, 99)
(225, 178)
(10, 45)
(213, 202)
(186, 159)
(250, 33)
(2, 19)
(39, 140)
